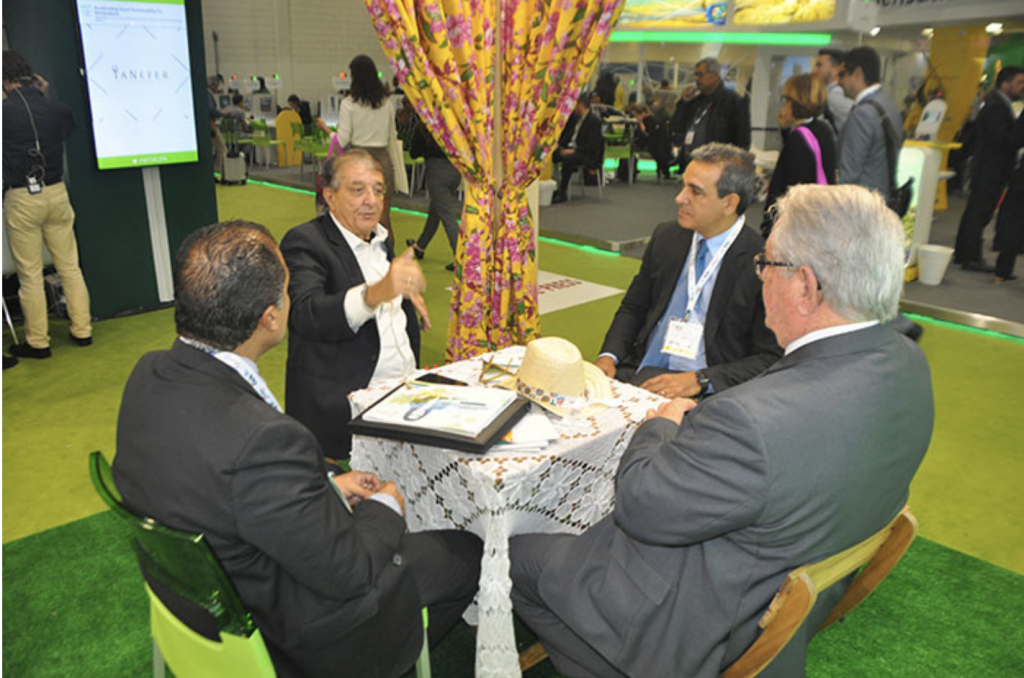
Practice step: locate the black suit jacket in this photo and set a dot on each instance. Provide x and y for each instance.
(590, 140)
(994, 152)
(326, 359)
(199, 450)
(728, 119)
(737, 344)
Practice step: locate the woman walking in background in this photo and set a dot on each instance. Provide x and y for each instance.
(808, 142)
(366, 119)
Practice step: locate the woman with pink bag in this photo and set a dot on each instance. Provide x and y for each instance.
(808, 142)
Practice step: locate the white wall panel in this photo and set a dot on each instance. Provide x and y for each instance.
(306, 41)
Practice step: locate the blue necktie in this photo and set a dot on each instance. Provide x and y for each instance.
(702, 257)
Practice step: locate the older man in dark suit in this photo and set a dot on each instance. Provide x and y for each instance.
(692, 321)
(354, 303)
(334, 582)
(708, 111)
(714, 504)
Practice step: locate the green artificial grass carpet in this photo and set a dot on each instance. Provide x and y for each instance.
(74, 604)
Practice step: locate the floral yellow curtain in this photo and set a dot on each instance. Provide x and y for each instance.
(444, 54)
(549, 51)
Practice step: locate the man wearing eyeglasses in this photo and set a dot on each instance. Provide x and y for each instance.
(715, 503)
(692, 321)
(863, 158)
(708, 111)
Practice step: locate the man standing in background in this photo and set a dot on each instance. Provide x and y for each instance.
(826, 67)
(709, 111)
(991, 165)
(863, 159)
(36, 205)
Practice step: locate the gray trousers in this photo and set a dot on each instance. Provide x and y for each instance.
(443, 182)
(569, 652)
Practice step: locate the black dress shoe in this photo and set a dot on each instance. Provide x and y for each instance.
(980, 266)
(1003, 278)
(26, 351)
(558, 197)
(415, 248)
(81, 341)
(10, 361)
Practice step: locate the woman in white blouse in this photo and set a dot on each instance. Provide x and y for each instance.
(366, 119)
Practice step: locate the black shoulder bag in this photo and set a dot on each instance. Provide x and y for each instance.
(898, 199)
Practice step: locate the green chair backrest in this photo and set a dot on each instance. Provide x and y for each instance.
(298, 130)
(258, 127)
(183, 574)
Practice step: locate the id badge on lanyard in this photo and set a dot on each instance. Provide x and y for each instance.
(682, 339)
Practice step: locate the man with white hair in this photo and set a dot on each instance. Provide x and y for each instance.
(716, 503)
(709, 111)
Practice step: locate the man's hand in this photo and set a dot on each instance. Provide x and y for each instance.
(607, 365)
(356, 486)
(673, 384)
(391, 489)
(324, 127)
(404, 279)
(690, 93)
(673, 410)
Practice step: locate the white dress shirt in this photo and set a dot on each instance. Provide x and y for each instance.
(395, 358)
(835, 331)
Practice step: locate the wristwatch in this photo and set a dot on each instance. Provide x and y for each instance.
(704, 381)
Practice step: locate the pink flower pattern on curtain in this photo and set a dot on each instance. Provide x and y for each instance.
(443, 52)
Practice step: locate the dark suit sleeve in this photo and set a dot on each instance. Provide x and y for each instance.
(741, 122)
(285, 507)
(316, 314)
(688, 484)
(590, 141)
(632, 314)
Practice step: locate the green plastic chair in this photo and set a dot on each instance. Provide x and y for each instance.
(261, 138)
(184, 579)
(217, 636)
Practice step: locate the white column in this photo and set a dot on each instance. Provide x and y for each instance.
(158, 233)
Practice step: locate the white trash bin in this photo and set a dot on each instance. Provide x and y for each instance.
(932, 261)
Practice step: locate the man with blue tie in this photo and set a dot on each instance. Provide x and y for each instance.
(692, 321)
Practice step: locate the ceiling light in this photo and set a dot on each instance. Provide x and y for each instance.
(875, 31)
(994, 28)
(928, 32)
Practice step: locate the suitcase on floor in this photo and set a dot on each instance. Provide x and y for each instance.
(234, 168)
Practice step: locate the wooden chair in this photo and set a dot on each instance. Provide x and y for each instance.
(877, 554)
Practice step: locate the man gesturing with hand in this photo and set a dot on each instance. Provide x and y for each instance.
(354, 303)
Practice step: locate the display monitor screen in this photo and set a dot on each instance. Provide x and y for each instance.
(140, 82)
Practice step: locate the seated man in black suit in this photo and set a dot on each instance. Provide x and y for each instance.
(692, 321)
(580, 145)
(335, 585)
(355, 303)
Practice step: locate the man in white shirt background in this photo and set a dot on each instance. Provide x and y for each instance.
(354, 304)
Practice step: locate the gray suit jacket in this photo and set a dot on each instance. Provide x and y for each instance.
(788, 468)
(862, 155)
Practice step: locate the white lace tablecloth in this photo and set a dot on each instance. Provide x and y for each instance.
(565, 488)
